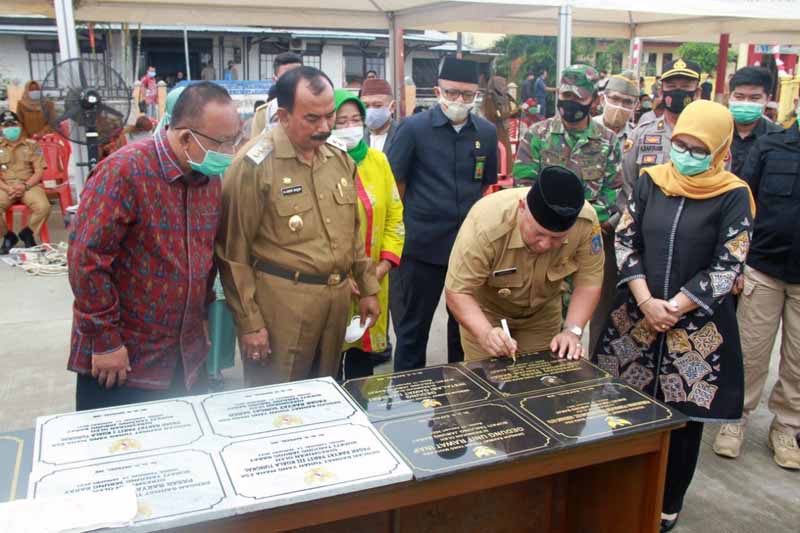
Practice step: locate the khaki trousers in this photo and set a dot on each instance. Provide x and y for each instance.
(533, 334)
(764, 303)
(36, 200)
(306, 325)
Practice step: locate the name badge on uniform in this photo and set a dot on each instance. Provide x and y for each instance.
(504, 272)
(288, 191)
(652, 139)
(480, 166)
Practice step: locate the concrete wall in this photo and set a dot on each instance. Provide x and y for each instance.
(332, 63)
(14, 59)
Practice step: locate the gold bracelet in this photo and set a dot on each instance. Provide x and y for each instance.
(644, 302)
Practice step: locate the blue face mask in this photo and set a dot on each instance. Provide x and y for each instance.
(688, 165)
(377, 117)
(12, 133)
(213, 164)
(151, 73)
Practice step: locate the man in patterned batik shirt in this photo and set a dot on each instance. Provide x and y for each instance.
(141, 255)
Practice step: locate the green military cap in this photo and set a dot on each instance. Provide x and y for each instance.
(625, 82)
(580, 80)
(679, 67)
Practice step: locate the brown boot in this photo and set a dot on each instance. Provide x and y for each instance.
(729, 440)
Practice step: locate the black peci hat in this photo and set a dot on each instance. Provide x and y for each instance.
(556, 198)
(460, 70)
(8, 116)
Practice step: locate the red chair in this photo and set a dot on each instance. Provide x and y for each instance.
(503, 179)
(55, 180)
(25, 211)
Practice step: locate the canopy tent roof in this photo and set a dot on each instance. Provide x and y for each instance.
(766, 21)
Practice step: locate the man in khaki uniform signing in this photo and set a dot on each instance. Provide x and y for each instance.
(21, 167)
(289, 239)
(510, 260)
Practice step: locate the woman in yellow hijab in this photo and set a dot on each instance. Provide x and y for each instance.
(680, 246)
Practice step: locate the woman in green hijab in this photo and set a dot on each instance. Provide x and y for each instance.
(380, 211)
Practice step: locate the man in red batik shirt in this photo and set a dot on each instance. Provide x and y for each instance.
(141, 257)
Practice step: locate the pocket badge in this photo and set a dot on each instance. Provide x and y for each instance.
(504, 293)
(296, 223)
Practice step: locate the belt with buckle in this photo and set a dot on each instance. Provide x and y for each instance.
(297, 276)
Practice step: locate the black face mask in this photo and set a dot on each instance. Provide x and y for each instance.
(572, 111)
(677, 99)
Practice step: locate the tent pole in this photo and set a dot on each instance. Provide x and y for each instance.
(65, 24)
(564, 39)
(722, 66)
(459, 45)
(186, 52)
(397, 59)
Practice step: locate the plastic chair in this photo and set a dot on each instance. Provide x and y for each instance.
(504, 181)
(25, 211)
(55, 180)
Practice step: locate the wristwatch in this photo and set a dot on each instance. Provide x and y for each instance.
(575, 330)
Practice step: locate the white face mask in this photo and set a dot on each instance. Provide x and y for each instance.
(456, 111)
(349, 136)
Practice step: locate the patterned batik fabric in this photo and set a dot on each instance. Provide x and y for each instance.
(626, 349)
(637, 376)
(703, 394)
(141, 263)
(609, 363)
(672, 387)
(621, 320)
(643, 334)
(678, 341)
(739, 245)
(706, 340)
(692, 367)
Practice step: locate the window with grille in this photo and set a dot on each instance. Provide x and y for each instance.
(378, 64)
(41, 64)
(311, 60)
(265, 66)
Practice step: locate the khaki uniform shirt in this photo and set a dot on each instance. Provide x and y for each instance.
(648, 145)
(300, 216)
(20, 161)
(491, 262)
(263, 116)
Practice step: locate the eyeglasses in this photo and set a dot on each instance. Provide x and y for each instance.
(695, 152)
(226, 146)
(453, 94)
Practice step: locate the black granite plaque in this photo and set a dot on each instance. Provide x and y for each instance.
(457, 439)
(598, 410)
(533, 372)
(414, 391)
(16, 458)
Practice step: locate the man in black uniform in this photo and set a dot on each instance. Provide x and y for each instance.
(749, 89)
(443, 160)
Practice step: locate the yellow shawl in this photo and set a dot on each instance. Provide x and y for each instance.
(712, 124)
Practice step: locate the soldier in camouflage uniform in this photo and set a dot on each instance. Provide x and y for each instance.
(572, 139)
